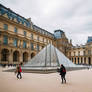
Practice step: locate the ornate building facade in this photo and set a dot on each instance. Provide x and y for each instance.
(21, 40)
(81, 54)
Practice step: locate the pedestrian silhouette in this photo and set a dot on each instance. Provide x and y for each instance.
(63, 73)
(18, 71)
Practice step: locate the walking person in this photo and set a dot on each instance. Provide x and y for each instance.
(63, 73)
(19, 70)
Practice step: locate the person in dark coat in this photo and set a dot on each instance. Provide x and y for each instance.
(19, 70)
(63, 73)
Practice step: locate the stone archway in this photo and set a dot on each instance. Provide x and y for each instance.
(32, 55)
(72, 59)
(15, 56)
(89, 60)
(5, 55)
(81, 60)
(85, 60)
(25, 57)
(78, 60)
(75, 60)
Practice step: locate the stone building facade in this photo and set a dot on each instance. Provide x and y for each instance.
(81, 54)
(62, 42)
(21, 40)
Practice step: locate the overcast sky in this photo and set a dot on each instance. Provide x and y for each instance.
(74, 17)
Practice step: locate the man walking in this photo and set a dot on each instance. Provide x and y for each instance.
(19, 70)
(62, 73)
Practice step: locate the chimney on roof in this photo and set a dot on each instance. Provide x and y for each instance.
(29, 19)
(9, 9)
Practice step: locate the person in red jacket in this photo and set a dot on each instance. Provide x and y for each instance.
(19, 70)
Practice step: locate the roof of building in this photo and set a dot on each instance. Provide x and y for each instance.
(12, 15)
(43, 31)
(89, 39)
(59, 30)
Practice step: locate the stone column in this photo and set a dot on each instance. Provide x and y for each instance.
(1, 39)
(79, 60)
(83, 61)
(29, 56)
(87, 60)
(18, 43)
(91, 60)
(0, 55)
(10, 56)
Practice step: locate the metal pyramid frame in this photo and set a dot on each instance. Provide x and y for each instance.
(49, 59)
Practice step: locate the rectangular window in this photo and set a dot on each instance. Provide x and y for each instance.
(37, 47)
(5, 27)
(84, 53)
(5, 40)
(37, 38)
(24, 44)
(32, 36)
(89, 52)
(15, 30)
(15, 42)
(43, 39)
(24, 33)
(78, 53)
(32, 46)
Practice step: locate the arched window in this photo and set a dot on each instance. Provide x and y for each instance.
(32, 55)
(25, 57)
(5, 55)
(15, 56)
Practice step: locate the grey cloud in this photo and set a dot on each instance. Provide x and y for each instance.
(73, 16)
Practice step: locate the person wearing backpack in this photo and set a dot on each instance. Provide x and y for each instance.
(19, 70)
(63, 73)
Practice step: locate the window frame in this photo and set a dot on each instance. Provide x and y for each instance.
(5, 27)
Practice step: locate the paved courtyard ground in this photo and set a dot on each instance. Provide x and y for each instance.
(77, 81)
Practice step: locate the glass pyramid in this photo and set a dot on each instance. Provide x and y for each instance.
(50, 58)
